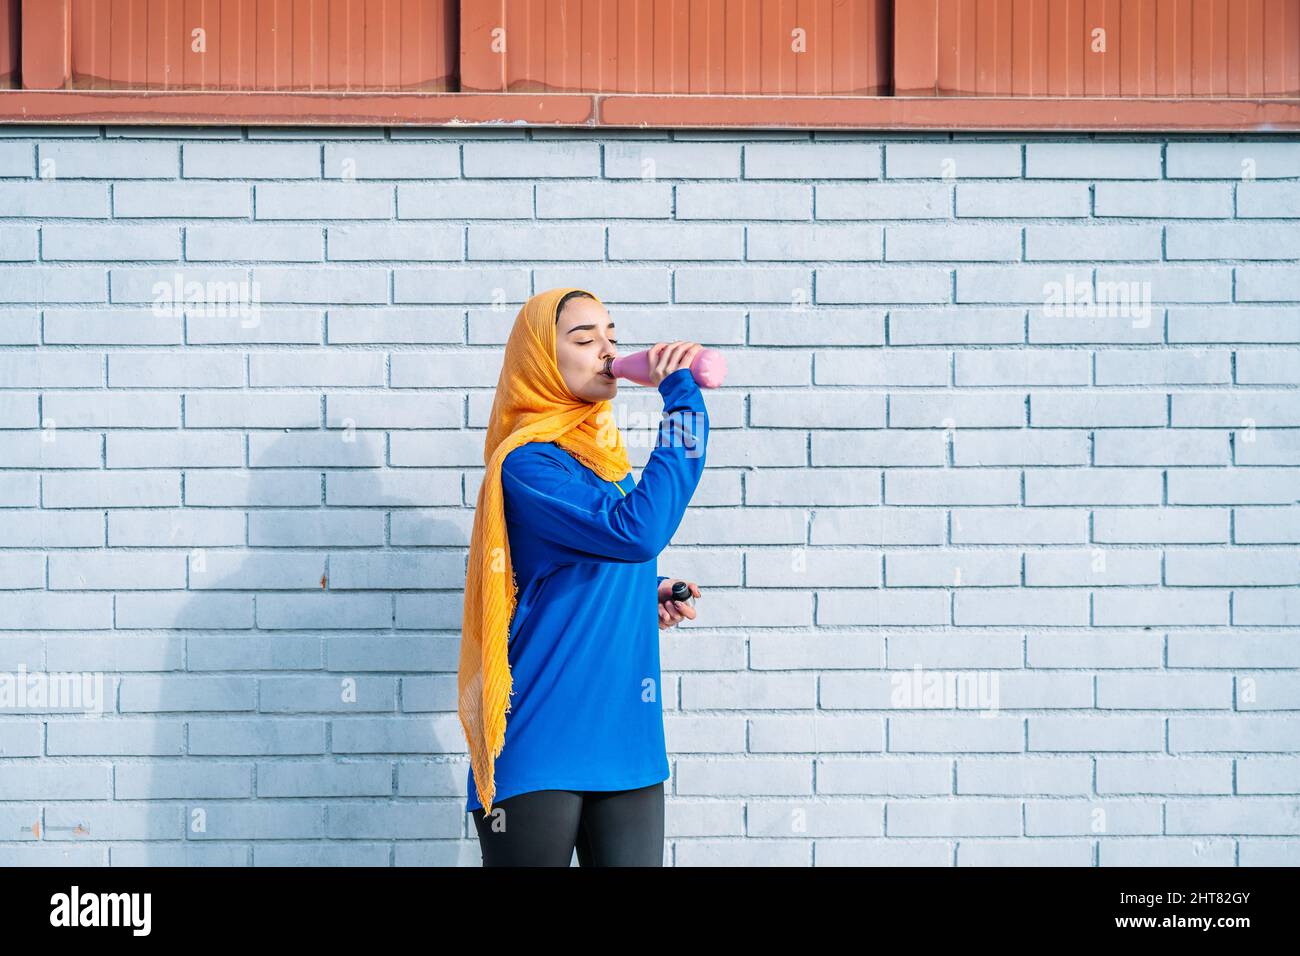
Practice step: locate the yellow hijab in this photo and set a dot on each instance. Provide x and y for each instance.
(532, 404)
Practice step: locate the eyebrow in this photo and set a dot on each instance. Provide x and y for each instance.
(586, 328)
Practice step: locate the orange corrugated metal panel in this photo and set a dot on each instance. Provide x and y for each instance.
(10, 42)
(264, 44)
(802, 47)
(1139, 48)
(44, 53)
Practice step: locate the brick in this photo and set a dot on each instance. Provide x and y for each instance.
(183, 370)
(416, 326)
(883, 201)
(288, 326)
(323, 201)
(1069, 486)
(464, 200)
(1267, 200)
(18, 244)
(1234, 324)
(1161, 526)
(778, 284)
(98, 160)
(184, 200)
(956, 326)
(822, 327)
(111, 410)
(744, 201)
(799, 161)
(161, 450)
(951, 160)
(909, 284)
(929, 487)
(1022, 367)
(1077, 243)
(279, 243)
(387, 160)
(972, 409)
(111, 327)
(251, 160)
(1163, 200)
(1248, 486)
(1034, 446)
(69, 200)
(653, 161)
(1232, 160)
(1267, 283)
(604, 200)
(536, 243)
(1172, 367)
(50, 448)
(959, 241)
(1092, 160)
(817, 242)
(1053, 409)
(319, 367)
(1236, 240)
(1022, 200)
(1139, 446)
(1173, 283)
(85, 242)
(42, 285)
(17, 160)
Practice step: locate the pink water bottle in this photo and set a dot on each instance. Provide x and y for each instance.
(708, 369)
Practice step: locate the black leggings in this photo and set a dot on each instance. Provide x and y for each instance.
(543, 827)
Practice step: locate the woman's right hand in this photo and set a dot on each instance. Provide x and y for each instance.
(669, 357)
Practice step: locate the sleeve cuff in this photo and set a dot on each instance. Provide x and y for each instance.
(678, 385)
(681, 389)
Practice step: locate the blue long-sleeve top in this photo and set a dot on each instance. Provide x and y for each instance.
(586, 710)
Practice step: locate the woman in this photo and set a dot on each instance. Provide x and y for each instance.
(559, 614)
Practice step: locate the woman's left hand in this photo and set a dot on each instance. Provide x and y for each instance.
(673, 612)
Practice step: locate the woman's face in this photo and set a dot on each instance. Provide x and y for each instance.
(584, 339)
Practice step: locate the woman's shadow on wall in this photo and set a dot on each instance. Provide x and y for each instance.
(304, 700)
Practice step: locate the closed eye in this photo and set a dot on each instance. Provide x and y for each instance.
(589, 341)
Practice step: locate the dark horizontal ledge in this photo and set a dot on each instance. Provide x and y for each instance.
(642, 111)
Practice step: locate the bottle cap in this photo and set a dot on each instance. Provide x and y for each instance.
(681, 592)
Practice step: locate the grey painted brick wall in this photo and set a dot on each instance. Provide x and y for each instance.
(254, 527)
